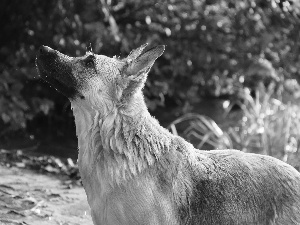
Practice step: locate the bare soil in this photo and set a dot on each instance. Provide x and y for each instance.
(28, 197)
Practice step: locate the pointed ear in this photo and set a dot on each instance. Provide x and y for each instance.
(138, 65)
(139, 62)
(135, 53)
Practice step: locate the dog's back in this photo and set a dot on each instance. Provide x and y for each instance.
(231, 187)
(136, 172)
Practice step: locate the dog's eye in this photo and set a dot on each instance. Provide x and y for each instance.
(89, 63)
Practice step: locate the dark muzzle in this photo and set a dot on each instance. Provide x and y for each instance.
(56, 69)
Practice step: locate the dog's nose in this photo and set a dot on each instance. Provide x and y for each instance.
(45, 50)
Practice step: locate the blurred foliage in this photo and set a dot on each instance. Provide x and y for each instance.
(213, 47)
(201, 131)
(269, 125)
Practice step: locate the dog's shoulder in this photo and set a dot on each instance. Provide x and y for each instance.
(228, 184)
(223, 186)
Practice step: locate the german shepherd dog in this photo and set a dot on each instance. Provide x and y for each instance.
(135, 172)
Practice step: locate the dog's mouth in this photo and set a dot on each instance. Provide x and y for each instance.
(57, 71)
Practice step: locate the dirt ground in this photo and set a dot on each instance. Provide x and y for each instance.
(27, 197)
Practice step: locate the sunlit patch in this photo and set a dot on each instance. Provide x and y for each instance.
(226, 104)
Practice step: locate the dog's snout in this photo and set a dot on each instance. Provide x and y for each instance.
(45, 50)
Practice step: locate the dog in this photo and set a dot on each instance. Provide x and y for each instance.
(135, 172)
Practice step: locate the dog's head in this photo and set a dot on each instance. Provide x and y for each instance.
(97, 79)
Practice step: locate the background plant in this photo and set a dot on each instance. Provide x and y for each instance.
(208, 44)
(200, 130)
(269, 124)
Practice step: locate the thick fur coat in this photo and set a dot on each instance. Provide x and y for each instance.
(135, 172)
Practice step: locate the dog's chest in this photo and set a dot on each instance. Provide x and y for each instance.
(92, 178)
(137, 201)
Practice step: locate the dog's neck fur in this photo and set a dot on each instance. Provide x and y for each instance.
(119, 144)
